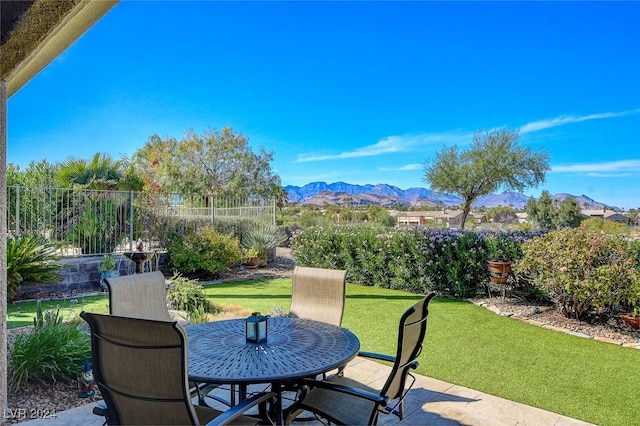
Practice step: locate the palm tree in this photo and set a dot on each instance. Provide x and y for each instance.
(101, 172)
(281, 196)
(96, 219)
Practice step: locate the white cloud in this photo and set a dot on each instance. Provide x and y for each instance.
(612, 175)
(405, 168)
(415, 143)
(390, 144)
(604, 169)
(411, 167)
(569, 119)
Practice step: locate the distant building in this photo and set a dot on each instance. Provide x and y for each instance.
(451, 218)
(606, 215)
(478, 217)
(522, 217)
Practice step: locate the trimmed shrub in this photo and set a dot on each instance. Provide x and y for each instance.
(606, 226)
(204, 251)
(585, 272)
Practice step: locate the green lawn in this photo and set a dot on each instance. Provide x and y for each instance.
(466, 345)
(23, 313)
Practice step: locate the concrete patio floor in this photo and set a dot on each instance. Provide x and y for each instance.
(430, 402)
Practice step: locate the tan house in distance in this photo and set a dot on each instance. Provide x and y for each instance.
(606, 215)
(451, 218)
(522, 217)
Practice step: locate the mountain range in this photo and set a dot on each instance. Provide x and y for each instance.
(341, 193)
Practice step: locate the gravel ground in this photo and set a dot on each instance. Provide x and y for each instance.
(37, 399)
(612, 331)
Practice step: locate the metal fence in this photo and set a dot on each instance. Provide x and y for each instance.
(92, 222)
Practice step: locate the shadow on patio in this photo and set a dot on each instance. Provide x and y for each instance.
(430, 402)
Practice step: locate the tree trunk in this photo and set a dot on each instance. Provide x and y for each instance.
(465, 213)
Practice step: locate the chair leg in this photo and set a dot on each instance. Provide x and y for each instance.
(102, 410)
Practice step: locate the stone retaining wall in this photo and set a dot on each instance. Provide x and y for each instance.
(81, 275)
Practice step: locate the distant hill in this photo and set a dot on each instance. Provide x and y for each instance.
(341, 193)
(583, 201)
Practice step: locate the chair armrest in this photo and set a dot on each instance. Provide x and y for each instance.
(238, 410)
(383, 357)
(360, 393)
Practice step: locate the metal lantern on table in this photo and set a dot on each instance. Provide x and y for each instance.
(256, 328)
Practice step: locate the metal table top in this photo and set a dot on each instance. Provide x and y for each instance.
(295, 348)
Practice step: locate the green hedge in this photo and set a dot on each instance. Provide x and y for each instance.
(587, 273)
(412, 259)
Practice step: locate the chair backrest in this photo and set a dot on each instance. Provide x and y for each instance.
(140, 367)
(141, 296)
(318, 294)
(411, 332)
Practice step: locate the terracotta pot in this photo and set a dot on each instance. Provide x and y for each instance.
(630, 320)
(252, 262)
(499, 271)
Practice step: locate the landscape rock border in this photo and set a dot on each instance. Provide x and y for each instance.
(550, 318)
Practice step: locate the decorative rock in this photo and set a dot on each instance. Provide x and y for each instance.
(494, 309)
(608, 340)
(575, 333)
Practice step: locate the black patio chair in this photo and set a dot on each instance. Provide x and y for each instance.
(140, 367)
(345, 401)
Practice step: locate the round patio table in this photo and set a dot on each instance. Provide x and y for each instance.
(295, 348)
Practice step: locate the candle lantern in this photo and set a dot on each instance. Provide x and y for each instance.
(256, 328)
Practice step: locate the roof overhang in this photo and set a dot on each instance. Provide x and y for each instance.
(35, 32)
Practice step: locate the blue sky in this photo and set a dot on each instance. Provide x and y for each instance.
(357, 92)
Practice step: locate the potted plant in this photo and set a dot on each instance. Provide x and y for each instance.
(252, 260)
(263, 238)
(108, 267)
(632, 320)
(502, 249)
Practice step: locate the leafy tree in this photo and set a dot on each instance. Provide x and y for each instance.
(384, 218)
(154, 161)
(14, 174)
(502, 214)
(569, 214)
(41, 174)
(549, 214)
(216, 162)
(494, 160)
(541, 211)
(30, 203)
